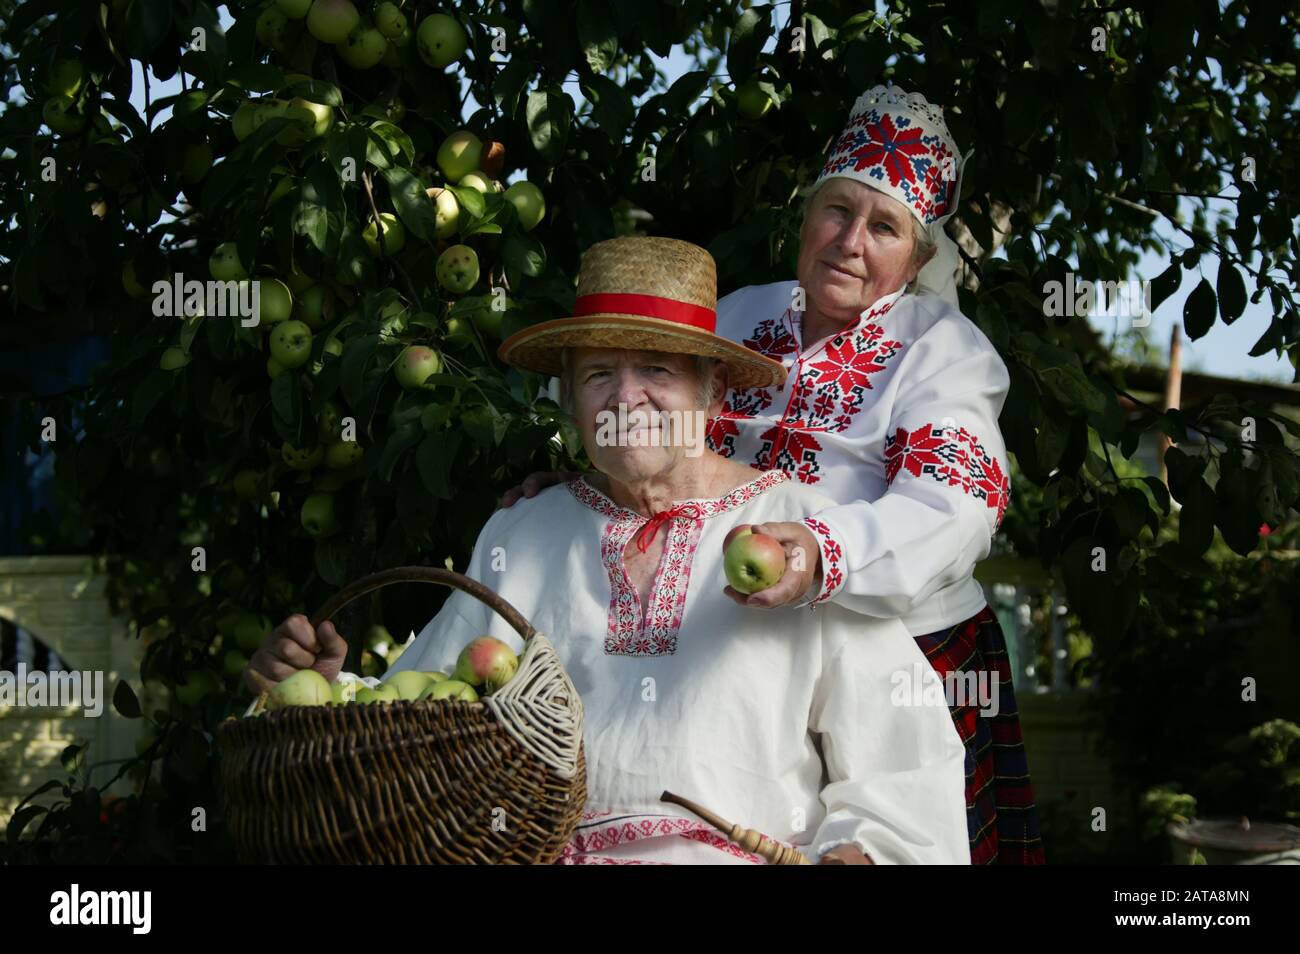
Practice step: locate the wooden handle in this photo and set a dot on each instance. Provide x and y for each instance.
(773, 852)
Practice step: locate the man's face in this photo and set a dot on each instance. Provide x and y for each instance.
(855, 246)
(661, 421)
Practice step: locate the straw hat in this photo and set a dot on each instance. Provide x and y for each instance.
(645, 294)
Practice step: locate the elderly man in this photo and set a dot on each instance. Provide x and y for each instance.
(788, 723)
(891, 409)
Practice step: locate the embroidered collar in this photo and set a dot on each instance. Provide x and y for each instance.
(875, 310)
(706, 506)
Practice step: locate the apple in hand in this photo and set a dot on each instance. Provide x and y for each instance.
(457, 269)
(752, 561)
(452, 689)
(459, 155)
(330, 21)
(318, 517)
(394, 235)
(306, 687)
(291, 343)
(486, 661)
(528, 202)
(441, 40)
(415, 364)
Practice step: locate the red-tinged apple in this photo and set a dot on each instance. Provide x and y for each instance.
(318, 517)
(173, 359)
(364, 48)
(459, 155)
(306, 687)
(493, 160)
(446, 211)
(196, 160)
(451, 690)
(310, 307)
(291, 343)
(343, 454)
(441, 40)
(61, 115)
(224, 265)
(299, 458)
(528, 202)
(294, 9)
(752, 561)
(394, 235)
(390, 21)
(275, 301)
(330, 21)
(66, 77)
(487, 662)
(414, 366)
(457, 269)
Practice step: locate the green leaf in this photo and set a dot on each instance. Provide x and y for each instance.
(149, 391)
(316, 91)
(286, 399)
(402, 440)
(147, 22)
(611, 106)
(1198, 310)
(331, 560)
(255, 77)
(1159, 491)
(471, 200)
(1165, 284)
(549, 114)
(746, 41)
(412, 202)
(356, 356)
(596, 34)
(1231, 291)
(125, 701)
(72, 757)
(393, 142)
(434, 460)
(523, 253)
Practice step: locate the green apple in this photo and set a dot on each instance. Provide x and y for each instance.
(274, 368)
(191, 103)
(61, 115)
(173, 359)
(248, 117)
(415, 364)
(130, 283)
(234, 662)
(142, 209)
(342, 454)
(345, 692)
(489, 319)
(273, 29)
(306, 687)
(197, 685)
(364, 48)
(298, 458)
(275, 301)
(752, 100)
(66, 77)
(248, 630)
(310, 308)
(528, 202)
(298, 282)
(458, 334)
(459, 155)
(224, 265)
(385, 693)
(446, 211)
(390, 21)
(752, 561)
(392, 320)
(457, 269)
(477, 181)
(441, 40)
(248, 484)
(329, 423)
(291, 343)
(196, 160)
(332, 346)
(394, 235)
(409, 684)
(330, 21)
(294, 9)
(487, 662)
(318, 517)
(450, 689)
(310, 121)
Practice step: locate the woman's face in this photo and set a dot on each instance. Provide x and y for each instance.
(855, 246)
(638, 412)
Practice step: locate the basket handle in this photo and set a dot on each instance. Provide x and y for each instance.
(424, 574)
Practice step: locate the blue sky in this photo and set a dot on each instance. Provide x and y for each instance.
(1223, 351)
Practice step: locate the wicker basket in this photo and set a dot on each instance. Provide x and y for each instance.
(499, 781)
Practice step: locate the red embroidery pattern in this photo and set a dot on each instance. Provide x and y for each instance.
(951, 456)
(722, 432)
(832, 559)
(630, 631)
(831, 391)
(626, 831)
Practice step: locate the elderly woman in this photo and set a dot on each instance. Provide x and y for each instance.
(795, 724)
(891, 408)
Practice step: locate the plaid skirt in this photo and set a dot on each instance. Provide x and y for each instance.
(1001, 818)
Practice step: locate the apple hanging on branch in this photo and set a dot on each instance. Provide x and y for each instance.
(414, 366)
(441, 40)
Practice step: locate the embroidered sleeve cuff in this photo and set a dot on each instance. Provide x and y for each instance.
(832, 560)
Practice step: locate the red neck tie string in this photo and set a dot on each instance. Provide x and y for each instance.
(643, 540)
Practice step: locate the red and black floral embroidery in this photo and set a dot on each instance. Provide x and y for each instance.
(951, 456)
(832, 559)
(652, 631)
